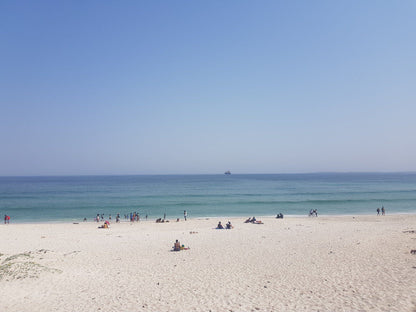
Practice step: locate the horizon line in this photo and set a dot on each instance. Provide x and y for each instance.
(200, 174)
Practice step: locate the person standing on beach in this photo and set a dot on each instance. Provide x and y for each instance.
(378, 211)
(185, 214)
(383, 212)
(6, 219)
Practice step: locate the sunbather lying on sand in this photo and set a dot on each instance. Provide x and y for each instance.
(104, 226)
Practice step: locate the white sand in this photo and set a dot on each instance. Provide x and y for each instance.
(295, 264)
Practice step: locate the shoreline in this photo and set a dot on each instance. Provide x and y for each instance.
(173, 220)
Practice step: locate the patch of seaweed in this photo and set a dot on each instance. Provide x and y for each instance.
(20, 266)
(20, 270)
(16, 256)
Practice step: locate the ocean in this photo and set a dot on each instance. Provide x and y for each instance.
(73, 198)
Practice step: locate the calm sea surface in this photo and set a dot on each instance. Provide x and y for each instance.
(49, 199)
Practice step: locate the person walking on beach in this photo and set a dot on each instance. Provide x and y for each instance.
(378, 211)
(185, 214)
(383, 211)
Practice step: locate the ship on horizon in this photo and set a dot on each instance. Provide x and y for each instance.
(227, 172)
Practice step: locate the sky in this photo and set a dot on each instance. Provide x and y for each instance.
(201, 87)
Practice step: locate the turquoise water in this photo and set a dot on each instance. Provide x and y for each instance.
(49, 199)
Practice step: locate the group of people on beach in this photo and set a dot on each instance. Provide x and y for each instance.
(383, 211)
(313, 213)
(253, 220)
(97, 218)
(132, 217)
(160, 220)
(228, 226)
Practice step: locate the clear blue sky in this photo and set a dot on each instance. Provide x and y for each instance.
(155, 87)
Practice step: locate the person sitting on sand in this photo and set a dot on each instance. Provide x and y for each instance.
(219, 226)
(253, 220)
(177, 246)
(248, 220)
(229, 226)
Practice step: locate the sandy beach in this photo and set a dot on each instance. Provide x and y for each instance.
(343, 263)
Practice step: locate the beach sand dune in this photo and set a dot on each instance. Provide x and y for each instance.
(347, 263)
